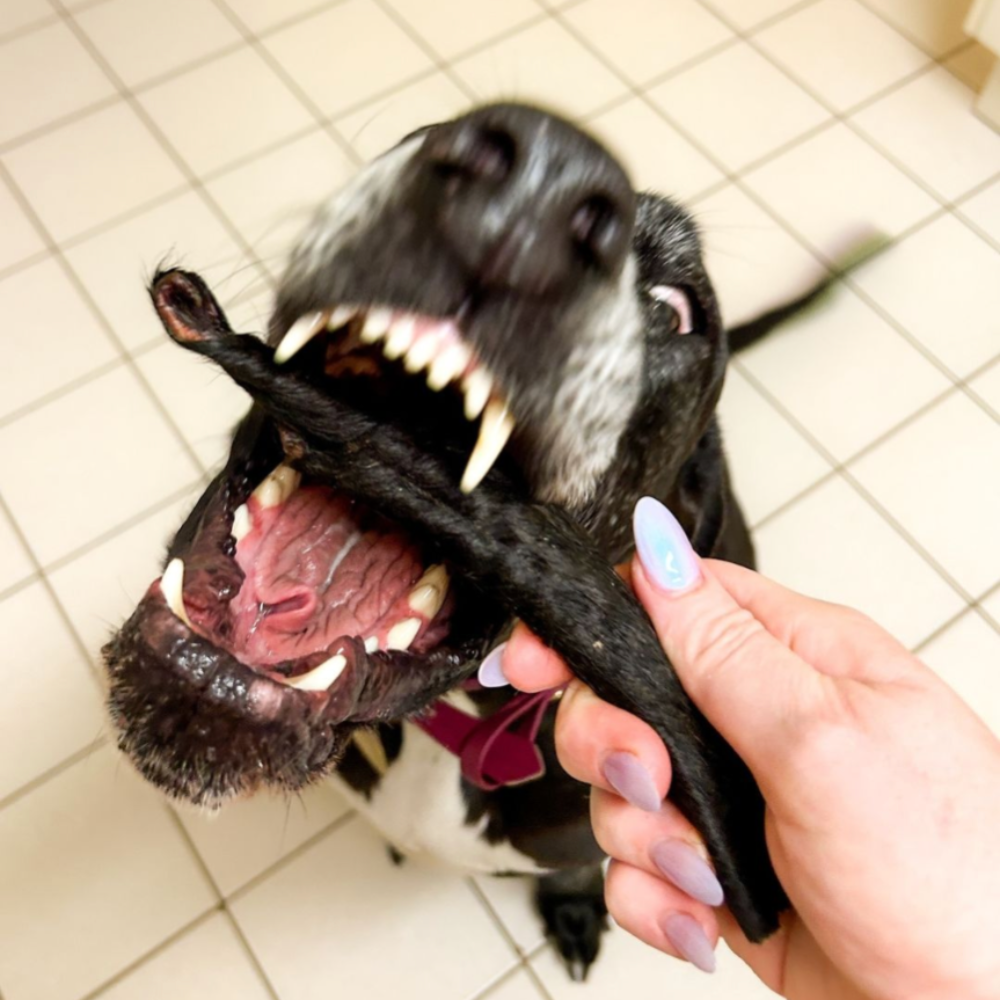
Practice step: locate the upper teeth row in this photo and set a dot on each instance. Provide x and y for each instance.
(423, 344)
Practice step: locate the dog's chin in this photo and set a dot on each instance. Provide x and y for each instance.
(289, 613)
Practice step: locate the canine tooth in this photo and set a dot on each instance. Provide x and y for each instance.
(242, 522)
(321, 677)
(429, 592)
(420, 354)
(477, 385)
(277, 486)
(494, 433)
(401, 635)
(339, 316)
(376, 325)
(302, 331)
(448, 365)
(172, 585)
(371, 644)
(400, 337)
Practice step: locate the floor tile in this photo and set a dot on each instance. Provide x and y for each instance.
(654, 38)
(512, 899)
(143, 39)
(51, 706)
(656, 155)
(340, 888)
(745, 14)
(204, 403)
(928, 125)
(518, 987)
(840, 193)
(20, 238)
(971, 65)
(248, 837)
(375, 54)
(92, 170)
(942, 283)
(940, 479)
(991, 606)
(207, 961)
(116, 265)
(380, 125)
(26, 67)
(265, 15)
(447, 26)
(841, 51)
(628, 968)
(752, 261)
(844, 373)
(833, 545)
(987, 387)
(92, 861)
(230, 107)
(770, 462)
(936, 25)
(15, 565)
(983, 209)
(272, 198)
(100, 588)
(16, 15)
(738, 105)
(107, 434)
(543, 64)
(967, 656)
(44, 347)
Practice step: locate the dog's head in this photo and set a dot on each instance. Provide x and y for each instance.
(493, 291)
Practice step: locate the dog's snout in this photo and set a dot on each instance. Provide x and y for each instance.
(526, 200)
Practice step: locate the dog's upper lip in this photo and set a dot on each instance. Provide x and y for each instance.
(433, 345)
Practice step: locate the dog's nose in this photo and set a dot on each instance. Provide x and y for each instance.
(526, 200)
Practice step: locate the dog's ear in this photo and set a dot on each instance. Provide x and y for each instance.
(700, 502)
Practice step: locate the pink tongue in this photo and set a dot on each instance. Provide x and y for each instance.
(313, 574)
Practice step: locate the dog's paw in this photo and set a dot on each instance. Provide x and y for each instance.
(575, 916)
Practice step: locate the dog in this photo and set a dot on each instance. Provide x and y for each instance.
(483, 352)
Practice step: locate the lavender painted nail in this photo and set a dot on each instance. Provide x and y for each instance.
(491, 669)
(627, 775)
(681, 864)
(689, 940)
(664, 549)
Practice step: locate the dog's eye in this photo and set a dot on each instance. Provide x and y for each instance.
(682, 320)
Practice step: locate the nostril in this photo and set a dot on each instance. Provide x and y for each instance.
(598, 231)
(475, 153)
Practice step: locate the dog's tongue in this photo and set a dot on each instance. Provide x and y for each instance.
(313, 574)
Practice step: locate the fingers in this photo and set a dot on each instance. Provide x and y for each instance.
(661, 915)
(530, 665)
(611, 749)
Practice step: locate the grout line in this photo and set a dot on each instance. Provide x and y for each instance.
(54, 124)
(495, 917)
(250, 953)
(46, 776)
(45, 21)
(905, 32)
(497, 984)
(23, 584)
(24, 264)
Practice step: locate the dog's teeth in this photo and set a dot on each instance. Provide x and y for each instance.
(321, 677)
(401, 635)
(494, 433)
(420, 354)
(477, 385)
(400, 337)
(277, 486)
(371, 644)
(339, 316)
(172, 586)
(302, 331)
(242, 522)
(429, 592)
(376, 325)
(448, 365)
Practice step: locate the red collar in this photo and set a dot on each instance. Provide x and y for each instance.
(497, 751)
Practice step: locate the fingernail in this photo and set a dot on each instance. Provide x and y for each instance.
(688, 870)
(689, 940)
(664, 549)
(627, 775)
(491, 669)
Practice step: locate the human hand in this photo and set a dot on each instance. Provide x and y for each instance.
(882, 787)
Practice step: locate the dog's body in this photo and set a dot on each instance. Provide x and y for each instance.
(590, 310)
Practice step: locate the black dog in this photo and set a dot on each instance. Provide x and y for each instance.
(348, 569)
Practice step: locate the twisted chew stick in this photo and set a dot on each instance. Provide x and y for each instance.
(533, 558)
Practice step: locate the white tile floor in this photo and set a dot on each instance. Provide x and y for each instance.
(864, 439)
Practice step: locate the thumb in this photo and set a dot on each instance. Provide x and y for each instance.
(754, 690)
